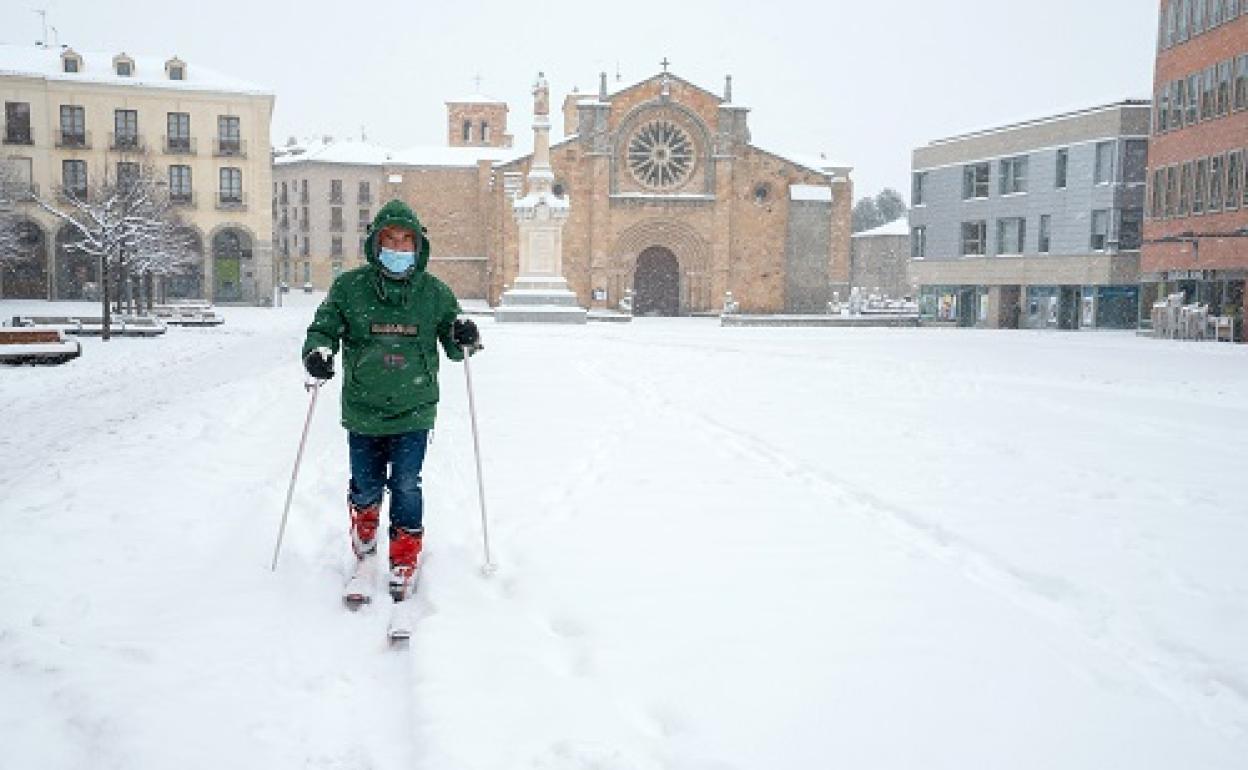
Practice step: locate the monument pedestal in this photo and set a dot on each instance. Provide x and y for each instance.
(540, 300)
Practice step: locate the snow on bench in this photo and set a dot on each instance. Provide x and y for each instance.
(121, 325)
(33, 345)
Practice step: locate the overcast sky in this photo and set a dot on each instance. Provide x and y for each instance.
(864, 82)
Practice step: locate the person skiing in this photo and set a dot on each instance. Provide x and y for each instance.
(388, 316)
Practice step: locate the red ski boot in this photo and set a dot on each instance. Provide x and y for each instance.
(364, 523)
(405, 545)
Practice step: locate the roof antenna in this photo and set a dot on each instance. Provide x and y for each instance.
(43, 16)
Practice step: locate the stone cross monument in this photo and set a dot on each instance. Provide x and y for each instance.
(540, 293)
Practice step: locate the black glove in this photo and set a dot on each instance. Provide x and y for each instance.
(464, 332)
(320, 363)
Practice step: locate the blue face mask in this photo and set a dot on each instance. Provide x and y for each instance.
(397, 262)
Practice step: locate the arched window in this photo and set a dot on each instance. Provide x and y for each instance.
(467, 130)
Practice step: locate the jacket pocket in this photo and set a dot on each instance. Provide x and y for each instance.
(392, 379)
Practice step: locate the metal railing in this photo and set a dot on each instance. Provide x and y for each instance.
(178, 145)
(366, 197)
(335, 198)
(125, 142)
(183, 199)
(231, 201)
(229, 147)
(18, 136)
(73, 140)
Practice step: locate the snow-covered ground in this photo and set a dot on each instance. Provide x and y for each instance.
(719, 548)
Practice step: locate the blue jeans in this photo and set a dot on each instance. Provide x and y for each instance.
(404, 453)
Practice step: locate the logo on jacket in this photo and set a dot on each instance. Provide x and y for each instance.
(402, 330)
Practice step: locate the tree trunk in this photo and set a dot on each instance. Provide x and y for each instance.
(104, 292)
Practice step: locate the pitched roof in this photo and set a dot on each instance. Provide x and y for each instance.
(899, 226)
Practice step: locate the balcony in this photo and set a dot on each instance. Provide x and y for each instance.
(73, 140)
(231, 201)
(125, 143)
(229, 147)
(18, 136)
(335, 198)
(182, 199)
(66, 194)
(178, 145)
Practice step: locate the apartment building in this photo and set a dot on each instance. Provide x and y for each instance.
(1196, 231)
(74, 118)
(1033, 225)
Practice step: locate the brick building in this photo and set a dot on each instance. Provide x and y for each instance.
(670, 200)
(1196, 232)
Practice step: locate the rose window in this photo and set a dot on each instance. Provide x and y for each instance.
(661, 155)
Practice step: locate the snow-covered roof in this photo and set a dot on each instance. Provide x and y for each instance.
(810, 192)
(899, 226)
(819, 163)
(476, 99)
(435, 155)
(97, 69)
(357, 153)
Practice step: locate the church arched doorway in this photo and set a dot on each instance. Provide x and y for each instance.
(656, 283)
(230, 248)
(25, 274)
(77, 273)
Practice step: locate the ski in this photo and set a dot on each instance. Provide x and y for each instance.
(359, 588)
(399, 630)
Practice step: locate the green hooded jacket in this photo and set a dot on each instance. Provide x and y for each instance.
(388, 330)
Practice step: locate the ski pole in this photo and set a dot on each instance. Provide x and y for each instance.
(313, 385)
(489, 566)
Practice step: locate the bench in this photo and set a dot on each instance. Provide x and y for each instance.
(188, 314)
(32, 345)
(121, 325)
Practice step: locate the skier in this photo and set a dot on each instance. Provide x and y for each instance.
(388, 316)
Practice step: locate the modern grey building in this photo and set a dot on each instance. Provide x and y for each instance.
(1035, 224)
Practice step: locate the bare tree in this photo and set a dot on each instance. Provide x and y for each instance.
(116, 221)
(10, 234)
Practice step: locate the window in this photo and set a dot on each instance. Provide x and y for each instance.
(1185, 190)
(1161, 114)
(229, 136)
(180, 184)
(1172, 190)
(1234, 179)
(335, 218)
(124, 68)
(1104, 173)
(70, 64)
(125, 129)
(1014, 175)
(1159, 194)
(1198, 17)
(335, 246)
(305, 247)
(974, 237)
(1046, 226)
(975, 181)
(1135, 161)
(1223, 103)
(365, 219)
(365, 194)
(307, 270)
(1063, 162)
(1241, 83)
(1170, 27)
(1177, 89)
(917, 181)
(1193, 100)
(179, 136)
(918, 242)
(485, 131)
(1217, 170)
(1215, 13)
(1011, 235)
(285, 198)
(1200, 186)
(231, 185)
(74, 178)
(177, 72)
(17, 123)
(73, 126)
(1130, 229)
(1100, 229)
(1185, 13)
(303, 196)
(335, 191)
(127, 174)
(467, 130)
(1208, 94)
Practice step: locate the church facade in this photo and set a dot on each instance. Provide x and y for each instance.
(672, 204)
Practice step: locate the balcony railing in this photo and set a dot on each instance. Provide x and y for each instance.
(125, 142)
(362, 226)
(18, 136)
(182, 199)
(20, 191)
(73, 140)
(66, 193)
(335, 198)
(231, 201)
(229, 147)
(336, 226)
(178, 145)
